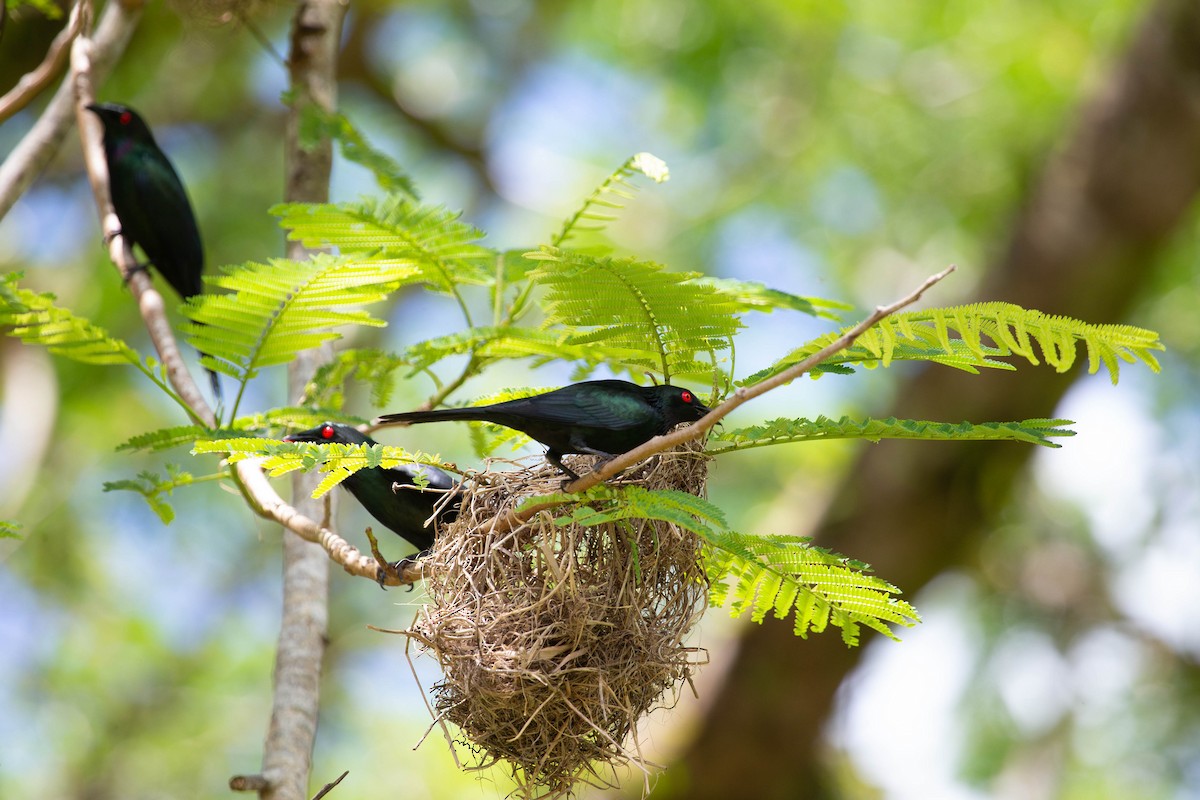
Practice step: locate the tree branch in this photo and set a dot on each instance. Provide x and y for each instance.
(34, 151)
(32, 83)
(744, 394)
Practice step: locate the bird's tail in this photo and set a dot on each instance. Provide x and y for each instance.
(480, 414)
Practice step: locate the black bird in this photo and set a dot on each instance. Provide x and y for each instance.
(601, 418)
(403, 511)
(151, 202)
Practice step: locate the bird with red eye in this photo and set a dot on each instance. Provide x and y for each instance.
(601, 418)
(392, 496)
(151, 203)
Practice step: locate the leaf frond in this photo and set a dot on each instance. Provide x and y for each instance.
(983, 333)
(427, 244)
(780, 575)
(273, 311)
(754, 296)
(786, 431)
(155, 488)
(33, 318)
(335, 460)
(665, 320)
(595, 213)
(317, 124)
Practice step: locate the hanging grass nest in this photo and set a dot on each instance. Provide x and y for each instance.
(555, 639)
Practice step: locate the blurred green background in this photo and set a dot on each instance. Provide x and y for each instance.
(829, 149)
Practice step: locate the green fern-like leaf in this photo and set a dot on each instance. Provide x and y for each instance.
(273, 311)
(667, 319)
(771, 574)
(597, 211)
(336, 461)
(1009, 330)
(428, 244)
(375, 368)
(753, 296)
(33, 318)
(784, 575)
(9, 530)
(273, 419)
(786, 431)
(176, 436)
(155, 489)
(317, 124)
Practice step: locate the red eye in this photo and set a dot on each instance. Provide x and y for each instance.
(686, 396)
(126, 118)
(327, 432)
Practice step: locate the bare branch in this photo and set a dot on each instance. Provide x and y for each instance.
(697, 429)
(267, 503)
(32, 83)
(32, 153)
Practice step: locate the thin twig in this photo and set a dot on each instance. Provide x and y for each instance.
(329, 786)
(248, 783)
(32, 83)
(697, 429)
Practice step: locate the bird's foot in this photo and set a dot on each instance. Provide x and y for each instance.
(556, 460)
(396, 571)
(134, 270)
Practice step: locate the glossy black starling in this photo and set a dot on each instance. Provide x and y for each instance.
(151, 203)
(402, 509)
(600, 418)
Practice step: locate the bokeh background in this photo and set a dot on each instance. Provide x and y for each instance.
(842, 150)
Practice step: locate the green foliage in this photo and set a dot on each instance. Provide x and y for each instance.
(784, 575)
(273, 311)
(317, 125)
(419, 243)
(1010, 329)
(626, 314)
(646, 317)
(780, 574)
(271, 420)
(337, 461)
(754, 296)
(155, 488)
(33, 318)
(786, 431)
(374, 368)
(47, 7)
(591, 216)
(8, 530)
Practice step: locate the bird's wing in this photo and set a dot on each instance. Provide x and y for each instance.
(589, 407)
(169, 232)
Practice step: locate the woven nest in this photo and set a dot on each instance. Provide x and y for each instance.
(554, 640)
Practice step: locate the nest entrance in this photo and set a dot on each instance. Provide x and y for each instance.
(555, 639)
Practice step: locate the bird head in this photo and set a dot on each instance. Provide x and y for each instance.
(121, 122)
(330, 432)
(680, 405)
